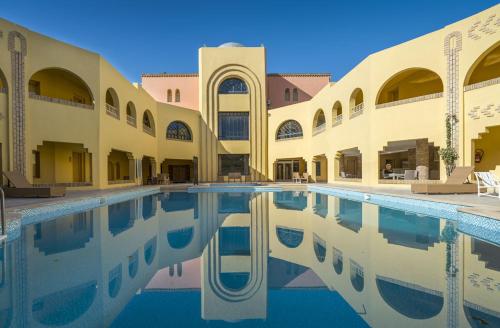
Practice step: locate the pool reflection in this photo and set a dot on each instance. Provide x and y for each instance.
(235, 257)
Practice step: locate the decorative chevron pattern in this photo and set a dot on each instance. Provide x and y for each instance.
(487, 27)
(488, 111)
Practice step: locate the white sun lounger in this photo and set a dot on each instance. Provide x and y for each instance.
(488, 181)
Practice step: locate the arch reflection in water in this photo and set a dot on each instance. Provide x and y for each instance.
(290, 200)
(319, 248)
(115, 281)
(64, 307)
(180, 238)
(357, 276)
(290, 237)
(235, 260)
(133, 264)
(234, 202)
(350, 214)
(121, 216)
(479, 316)
(150, 250)
(148, 207)
(410, 300)
(408, 229)
(321, 205)
(180, 201)
(64, 234)
(6, 286)
(338, 261)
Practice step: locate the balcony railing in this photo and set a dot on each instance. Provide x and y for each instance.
(318, 129)
(112, 111)
(337, 120)
(33, 95)
(482, 84)
(358, 109)
(131, 120)
(149, 130)
(410, 100)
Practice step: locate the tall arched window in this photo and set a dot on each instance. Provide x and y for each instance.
(356, 104)
(179, 131)
(289, 129)
(233, 86)
(295, 94)
(177, 95)
(148, 124)
(287, 94)
(131, 114)
(169, 95)
(319, 119)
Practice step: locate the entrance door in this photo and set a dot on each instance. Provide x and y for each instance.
(77, 167)
(179, 173)
(284, 170)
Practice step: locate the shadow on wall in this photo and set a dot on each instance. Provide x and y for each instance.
(278, 96)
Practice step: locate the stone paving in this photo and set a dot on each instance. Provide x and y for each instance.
(486, 206)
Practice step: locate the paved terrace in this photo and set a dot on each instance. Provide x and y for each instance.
(485, 206)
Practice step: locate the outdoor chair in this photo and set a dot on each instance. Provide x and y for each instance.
(305, 177)
(457, 183)
(19, 187)
(163, 179)
(488, 181)
(410, 175)
(296, 177)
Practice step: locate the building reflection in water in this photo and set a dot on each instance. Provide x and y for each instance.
(241, 256)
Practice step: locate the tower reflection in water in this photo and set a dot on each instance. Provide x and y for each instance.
(289, 258)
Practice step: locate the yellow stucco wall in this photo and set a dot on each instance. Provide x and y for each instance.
(51, 120)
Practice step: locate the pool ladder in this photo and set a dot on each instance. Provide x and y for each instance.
(2, 214)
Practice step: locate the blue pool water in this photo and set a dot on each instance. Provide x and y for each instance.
(269, 259)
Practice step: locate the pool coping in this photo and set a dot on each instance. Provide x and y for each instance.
(476, 224)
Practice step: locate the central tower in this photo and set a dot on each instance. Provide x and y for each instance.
(233, 128)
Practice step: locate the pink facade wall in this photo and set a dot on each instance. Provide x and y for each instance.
(308, 85)
(157, 85)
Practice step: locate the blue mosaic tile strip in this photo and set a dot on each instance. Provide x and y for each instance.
(436, 209)
(479, 226)
(53, 211)
(234, 189)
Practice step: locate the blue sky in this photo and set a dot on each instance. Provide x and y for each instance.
(149, 36)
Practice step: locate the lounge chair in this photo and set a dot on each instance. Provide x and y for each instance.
(457, 183)
(296, 177)
(234, 176)
(305, 177)
(487, 180)
(19, 187)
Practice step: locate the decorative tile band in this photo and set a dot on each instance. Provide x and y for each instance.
(482, 84)
(410, 100)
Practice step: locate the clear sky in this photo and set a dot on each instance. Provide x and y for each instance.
(150, 36)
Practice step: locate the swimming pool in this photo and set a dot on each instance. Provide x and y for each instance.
(273, 259)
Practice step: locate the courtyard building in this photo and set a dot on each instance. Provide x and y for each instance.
(69, 118)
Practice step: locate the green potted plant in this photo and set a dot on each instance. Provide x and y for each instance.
(449, 155)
